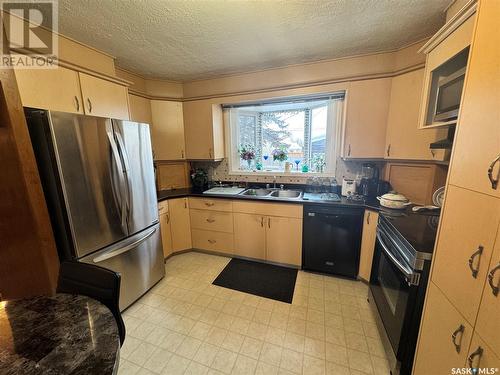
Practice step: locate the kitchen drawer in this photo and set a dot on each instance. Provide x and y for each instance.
(212, 220)
(211, 204)
(214, 241)
(268, 209)
(162, 207)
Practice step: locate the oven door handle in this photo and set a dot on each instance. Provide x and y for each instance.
(410, 276)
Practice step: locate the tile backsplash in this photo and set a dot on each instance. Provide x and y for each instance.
(219, 171)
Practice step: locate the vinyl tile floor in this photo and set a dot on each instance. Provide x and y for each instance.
(186, 325)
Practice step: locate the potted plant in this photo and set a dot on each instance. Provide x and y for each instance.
(247, 152)
(280, 154)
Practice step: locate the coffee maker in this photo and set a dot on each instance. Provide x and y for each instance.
(368, 186)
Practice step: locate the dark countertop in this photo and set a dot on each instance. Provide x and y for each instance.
(64, 334)
(180, 193)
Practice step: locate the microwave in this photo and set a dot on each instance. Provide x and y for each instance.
(449, 93)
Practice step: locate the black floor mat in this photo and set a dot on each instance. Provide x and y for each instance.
(261, 279)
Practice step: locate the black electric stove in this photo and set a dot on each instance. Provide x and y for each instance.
(400, 272)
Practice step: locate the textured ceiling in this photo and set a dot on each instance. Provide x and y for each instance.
(195, 39)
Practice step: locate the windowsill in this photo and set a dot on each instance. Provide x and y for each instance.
(281, 173)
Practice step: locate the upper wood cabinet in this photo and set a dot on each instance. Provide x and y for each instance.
(367, 106)
(180, 224)
(204, 130)
(140, 109)
(453, 38)
(104, 98)
(438, 350)
(167, 130)
(477, 143)
(368, 244)
(404, 140)
(468, 229)
(55, 89)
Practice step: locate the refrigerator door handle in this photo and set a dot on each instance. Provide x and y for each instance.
(116, 157)
(124, 249)
(126, 168)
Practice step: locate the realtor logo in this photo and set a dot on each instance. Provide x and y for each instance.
(30, 39)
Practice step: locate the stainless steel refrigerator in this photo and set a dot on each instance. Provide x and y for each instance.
(98, 179)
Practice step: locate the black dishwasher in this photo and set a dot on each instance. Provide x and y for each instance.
(332, 239)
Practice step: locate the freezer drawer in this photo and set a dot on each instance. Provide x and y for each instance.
(139, 260)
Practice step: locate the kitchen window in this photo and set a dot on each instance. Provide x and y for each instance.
(265, 136)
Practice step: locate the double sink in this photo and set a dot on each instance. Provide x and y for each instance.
(273, 193)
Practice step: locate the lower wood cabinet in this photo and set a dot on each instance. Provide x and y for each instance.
(213, 241)
(250, 235)
(445, 336)
(368, 244)
(166, 235)
(273, 238)
(284, 240)
(488, 320)
(180, 225)
(481, 355)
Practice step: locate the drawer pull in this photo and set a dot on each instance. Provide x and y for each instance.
(477, 353)
(458, 331)
(212, 241)
(210, 220)
(491, 276)
(209, 204)
(494, 181)
(477, 253)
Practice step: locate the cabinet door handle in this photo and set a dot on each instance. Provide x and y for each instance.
(77, 103)
(210, 220)
(476, 353)
(494, 181)
(168, 217)
(212, 241)
(477, 253)
(491, 276)
(368, 218)
(209, 204)
(262, 221)
(458, 331)
(89, 104)
(185, 203)
(269, 222)
(182, 154)
(389, 150)
(349, 151)
(210, 153)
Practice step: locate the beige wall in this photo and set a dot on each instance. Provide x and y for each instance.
(312, 74)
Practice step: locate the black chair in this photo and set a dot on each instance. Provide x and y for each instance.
(96, 282)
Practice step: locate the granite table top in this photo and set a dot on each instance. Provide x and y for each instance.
(63, 334)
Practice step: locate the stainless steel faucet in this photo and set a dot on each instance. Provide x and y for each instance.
(274, 182)
(282, 187)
